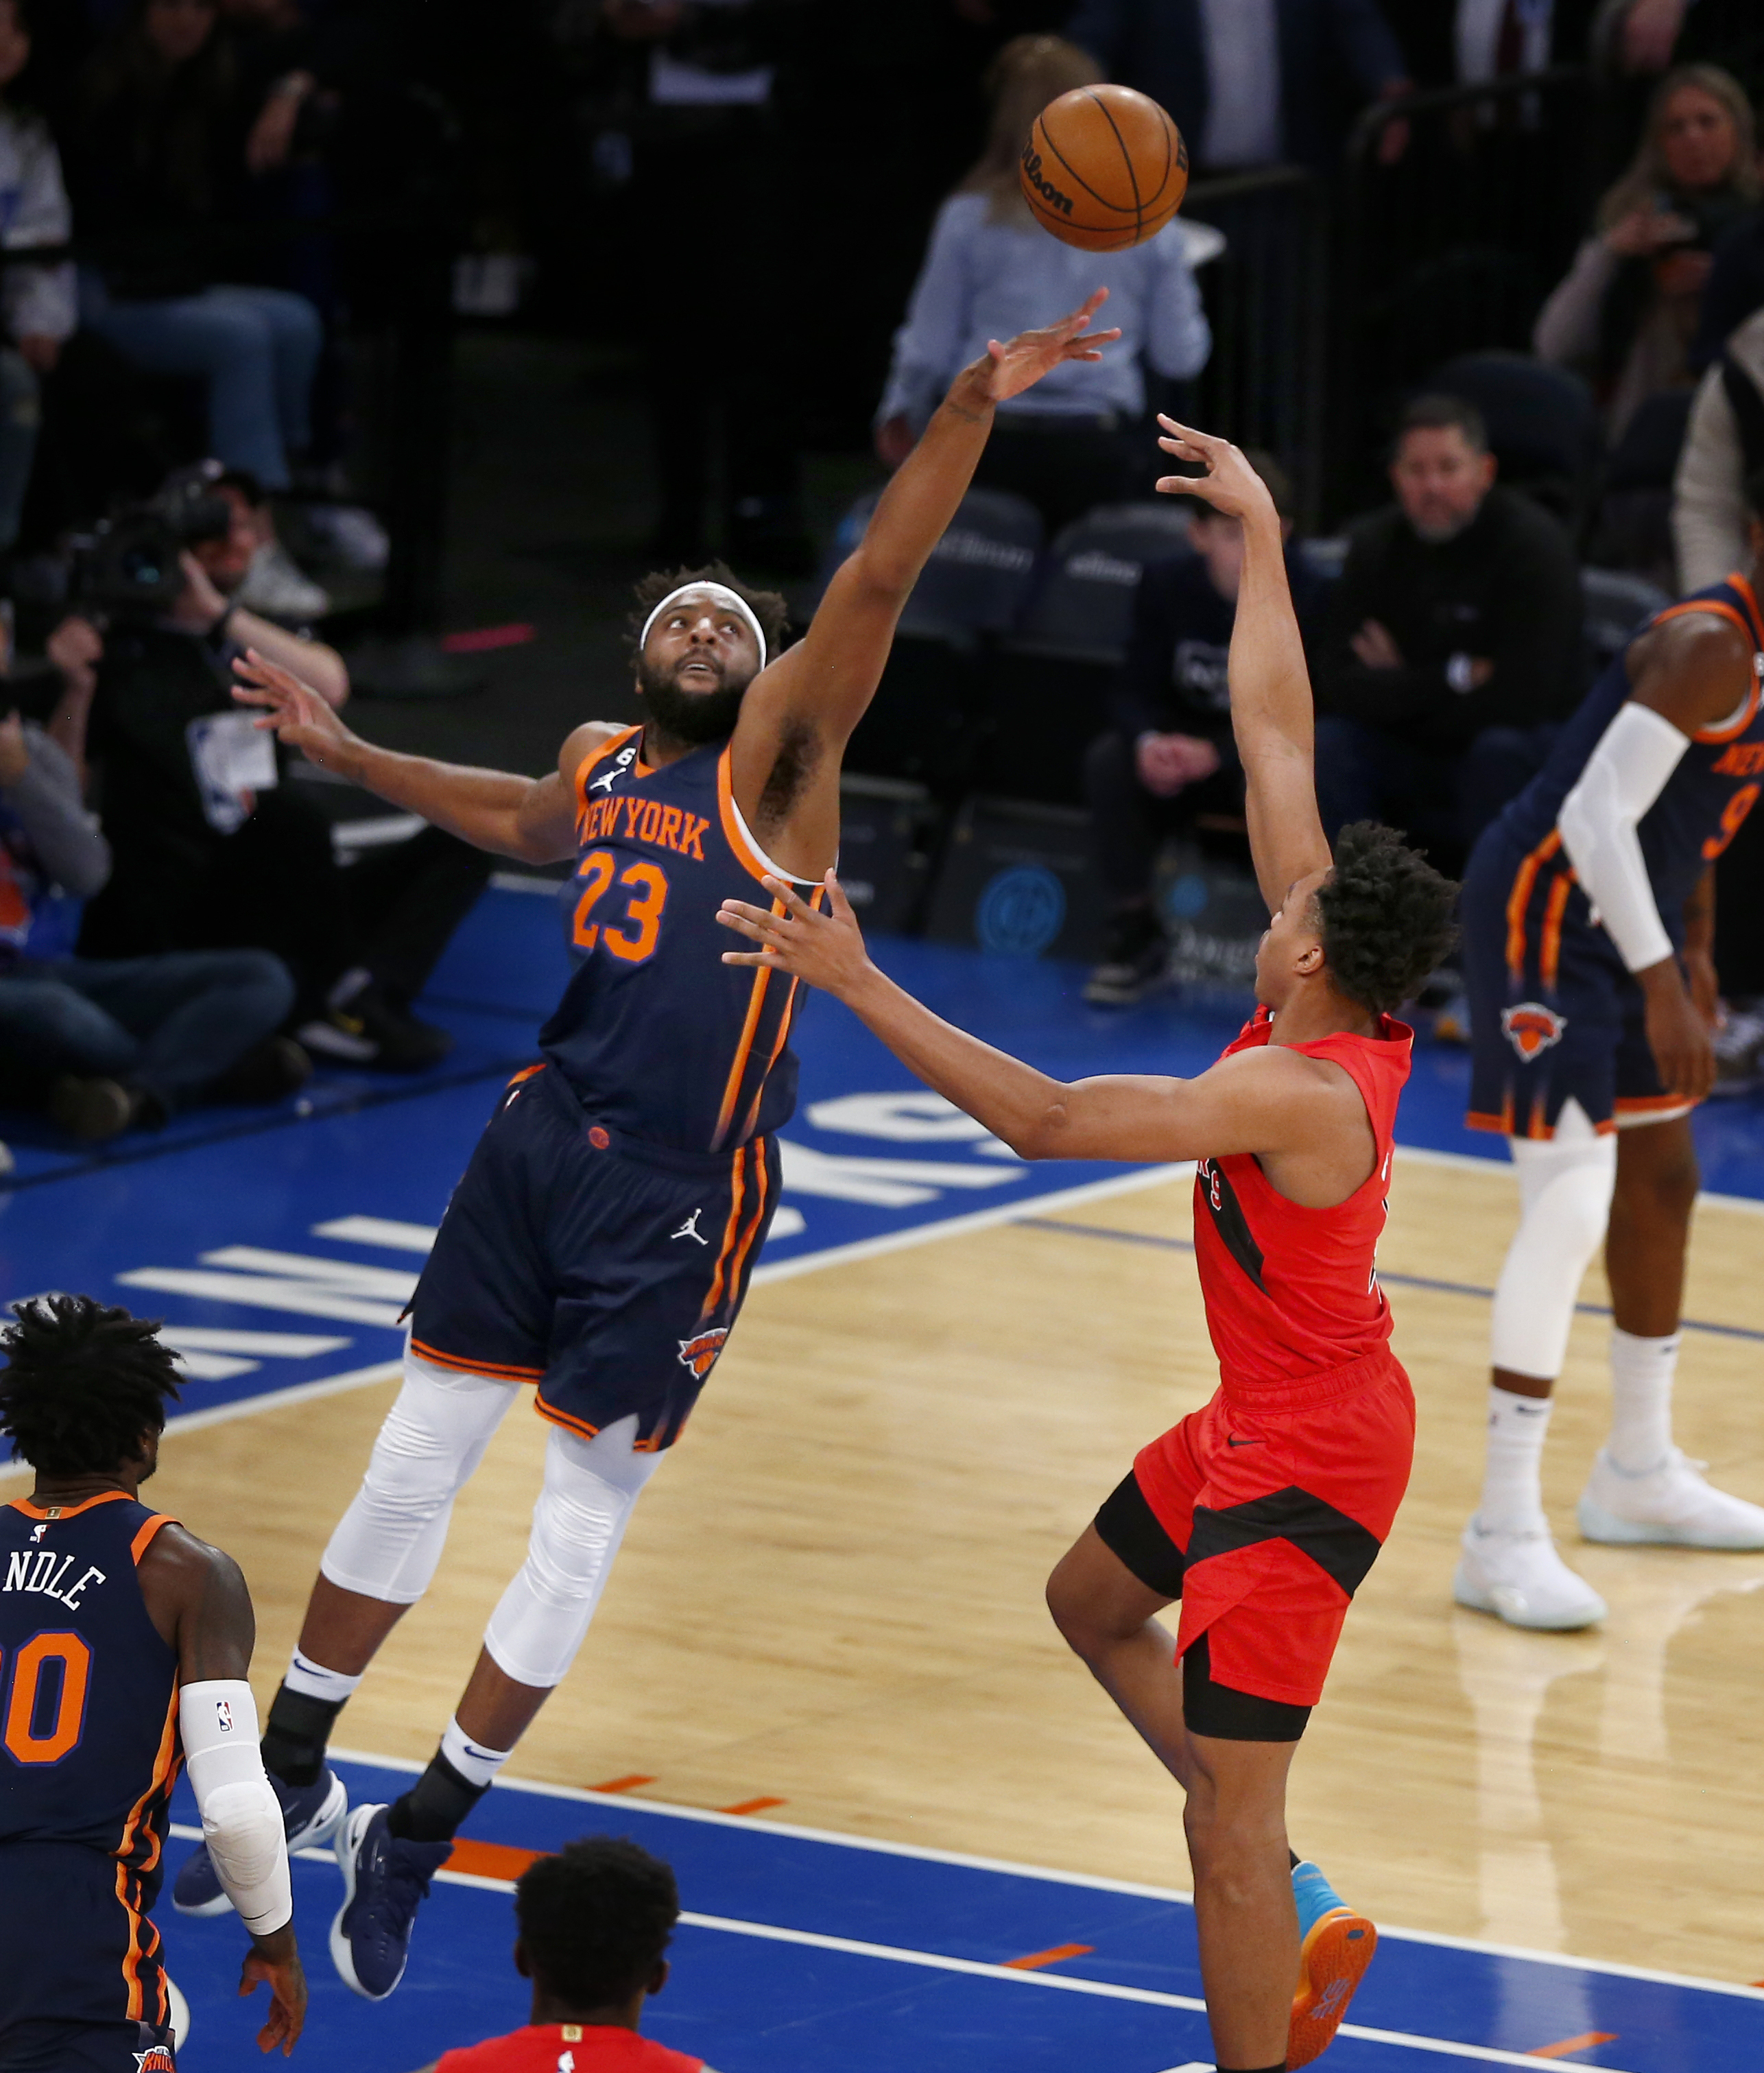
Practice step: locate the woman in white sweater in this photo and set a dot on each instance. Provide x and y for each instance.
(1078, 438)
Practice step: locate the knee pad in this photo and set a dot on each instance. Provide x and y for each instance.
(387, 1543)
(591, 1487)
(1565, 1185)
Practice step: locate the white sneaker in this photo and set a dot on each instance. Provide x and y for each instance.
(1670, 1505)
(1521, 1579)
(276, 585)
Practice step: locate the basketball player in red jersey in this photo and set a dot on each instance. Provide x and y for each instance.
(600, 1243)
(595, 1922)
(1261, 1512)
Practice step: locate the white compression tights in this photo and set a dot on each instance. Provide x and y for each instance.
(387, 1543)
(1565, 1185)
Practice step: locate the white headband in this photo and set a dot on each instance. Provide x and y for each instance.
(724, 596)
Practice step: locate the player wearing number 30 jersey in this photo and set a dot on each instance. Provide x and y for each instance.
(601, 1241)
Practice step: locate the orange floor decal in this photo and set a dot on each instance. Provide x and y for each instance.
(500, 1860)
(1037, 1958)
(623, 1784)
(750, 1806)
(1584, 2042)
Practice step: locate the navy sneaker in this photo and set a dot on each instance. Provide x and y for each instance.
(311, 1815)
(386, 1880)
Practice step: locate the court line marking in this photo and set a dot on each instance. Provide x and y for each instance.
(973, 1968)
(1089, 1881)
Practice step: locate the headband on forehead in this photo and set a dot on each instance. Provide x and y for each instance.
(727, 598)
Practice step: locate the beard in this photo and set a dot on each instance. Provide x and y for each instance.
(696, 718)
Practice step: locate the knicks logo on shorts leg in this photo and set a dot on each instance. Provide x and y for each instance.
(700, 1351)
(1531, 1028)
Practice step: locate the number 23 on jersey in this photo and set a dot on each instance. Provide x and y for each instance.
(629, 934)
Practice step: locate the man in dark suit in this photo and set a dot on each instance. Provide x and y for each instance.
(1207, 62)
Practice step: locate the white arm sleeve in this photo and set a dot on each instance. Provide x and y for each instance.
(1624, 776)
(242, 1817)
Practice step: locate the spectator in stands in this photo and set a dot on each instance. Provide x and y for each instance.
(1627, 310)
(1641, 36)
(273, 583)
(212, 850)
(1248, 82)
(1724, 445)
(1462, 42)
(1168, 757)
(1079, 438)
(111, 1043)
(1454, 650)
(594, 1922)
(159, 156)
(37, 302)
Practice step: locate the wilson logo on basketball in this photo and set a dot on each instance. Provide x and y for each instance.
(1531, 1028)
(1044, 187)
(700, 1352)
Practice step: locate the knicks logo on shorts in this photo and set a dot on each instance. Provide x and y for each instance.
(156, 2059)
(700, 1352)
(1531, 1028)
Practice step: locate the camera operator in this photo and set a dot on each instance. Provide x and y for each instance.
(212, 848)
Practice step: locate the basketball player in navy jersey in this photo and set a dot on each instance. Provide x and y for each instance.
(124, 1646)
(1263, 1512)
(1588, 919)
(601, 1242)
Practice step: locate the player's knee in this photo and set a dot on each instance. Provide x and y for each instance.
(1659, 1182)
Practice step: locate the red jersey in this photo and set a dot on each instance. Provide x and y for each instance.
(1291, 1292)
(568, 2047)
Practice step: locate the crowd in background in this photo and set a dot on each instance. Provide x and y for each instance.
(804, 218)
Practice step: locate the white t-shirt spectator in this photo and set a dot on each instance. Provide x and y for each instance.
(34, 211)
(1242, 43)
(983, 279)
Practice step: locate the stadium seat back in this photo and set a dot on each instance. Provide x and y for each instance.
(978, 574)
(1083, 606)
(1616, 605)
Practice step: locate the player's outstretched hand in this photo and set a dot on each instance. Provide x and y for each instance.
(1020, 362)
(294, 710)
(1230, 484)
(823, 950)
(275, 1959)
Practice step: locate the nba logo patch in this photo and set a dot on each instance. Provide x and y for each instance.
(223, 1716)
(700, 1351)
(1531, 1028)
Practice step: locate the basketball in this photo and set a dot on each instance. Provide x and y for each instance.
(1104, 168)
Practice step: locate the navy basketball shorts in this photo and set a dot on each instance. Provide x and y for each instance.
(81, 1986)
(606, 1270)
(1554, 1014)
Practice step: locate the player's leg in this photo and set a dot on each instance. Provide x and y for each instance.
(1509, 1565)
(1642, 1488)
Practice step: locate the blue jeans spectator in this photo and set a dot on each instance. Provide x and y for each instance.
(171, 1025)
(258, 348)
(1441, 799)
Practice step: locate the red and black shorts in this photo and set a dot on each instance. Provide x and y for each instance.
(1262, 1513)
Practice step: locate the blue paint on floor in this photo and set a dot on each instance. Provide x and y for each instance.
(749, 2004)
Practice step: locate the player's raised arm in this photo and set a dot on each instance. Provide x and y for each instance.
(532, 819)
(824, 683)
(1271, 713)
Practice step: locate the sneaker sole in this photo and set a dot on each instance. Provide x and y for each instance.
(1335, 1956)
(348, 1841)
(1474, 1599)
(1597, 1524)
(314, 1835)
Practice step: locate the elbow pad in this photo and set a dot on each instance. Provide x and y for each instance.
(1625, 773)
(242, 1817)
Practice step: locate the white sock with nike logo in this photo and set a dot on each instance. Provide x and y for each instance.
(476, 1764)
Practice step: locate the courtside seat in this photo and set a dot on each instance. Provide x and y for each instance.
(1616, 605)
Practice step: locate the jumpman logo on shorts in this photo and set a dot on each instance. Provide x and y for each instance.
(689, 1228)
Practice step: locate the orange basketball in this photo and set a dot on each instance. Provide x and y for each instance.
(1105, 167)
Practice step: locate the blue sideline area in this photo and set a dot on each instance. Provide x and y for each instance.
(802, 1953)
(280, 1245)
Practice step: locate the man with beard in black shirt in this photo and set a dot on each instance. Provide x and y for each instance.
(1454, 643)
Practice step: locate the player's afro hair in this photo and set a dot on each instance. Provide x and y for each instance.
(83, 1381)
(595, 1920)
(1385, 917)
(768, 606)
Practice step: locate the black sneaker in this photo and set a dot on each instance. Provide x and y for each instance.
(1135, 957)
(94, 1110)
(370, 1029)
(269, 1071)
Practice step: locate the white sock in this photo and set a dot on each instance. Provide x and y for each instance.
(1512, 1489)
(316, 1682)
(1642, 1372)
(476, 1764)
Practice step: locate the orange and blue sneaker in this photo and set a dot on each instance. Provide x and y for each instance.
(1335, 1946)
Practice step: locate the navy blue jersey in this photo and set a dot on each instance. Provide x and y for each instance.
(1697, 815)
(88, 1711)
(658, 1036)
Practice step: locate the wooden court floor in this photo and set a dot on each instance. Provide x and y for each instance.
(831, 1595)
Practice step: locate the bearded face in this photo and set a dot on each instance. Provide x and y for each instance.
(685, 711)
